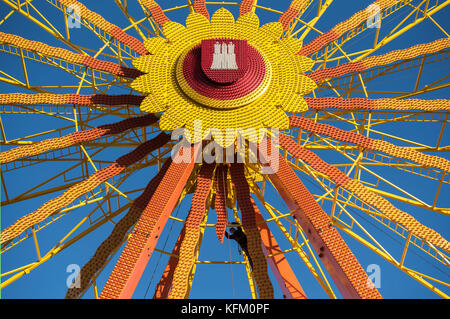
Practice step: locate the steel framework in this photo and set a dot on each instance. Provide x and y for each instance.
(346, 117)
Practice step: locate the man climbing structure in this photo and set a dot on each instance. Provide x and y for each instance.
(238, 235)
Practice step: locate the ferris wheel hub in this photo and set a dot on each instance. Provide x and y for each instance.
(226, 74)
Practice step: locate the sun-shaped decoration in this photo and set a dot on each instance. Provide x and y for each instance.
(229, 75)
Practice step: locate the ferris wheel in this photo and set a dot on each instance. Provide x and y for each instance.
(230, 117)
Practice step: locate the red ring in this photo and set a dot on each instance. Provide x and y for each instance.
(200, 83)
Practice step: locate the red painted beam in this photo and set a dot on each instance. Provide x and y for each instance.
(341, 264)
(220, 205)
(249, 210)
(164, 286)
(279, 265)
(139, 248)
(192, 234)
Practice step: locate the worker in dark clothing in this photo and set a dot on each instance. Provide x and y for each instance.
(238, 235)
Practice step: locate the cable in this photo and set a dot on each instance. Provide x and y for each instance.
(223, 177)
(160, 255)
(231, 267)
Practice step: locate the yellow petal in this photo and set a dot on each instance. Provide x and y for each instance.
(250, 120)
(173, 118)
(222, 24)
(304, 64)
(295, 104)
(198, 26)
(143, 63)
(151, 105)
(247, 25)
(292, 44)
(272, 29)
(173, 30)
(153, 45)
(222, 17)
(275, 118)
(305, 85)
(194, 131)
(202, 120)
(142, 84)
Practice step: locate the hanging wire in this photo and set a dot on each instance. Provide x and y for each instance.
(160, 255)
(229, 246)
(231, 268)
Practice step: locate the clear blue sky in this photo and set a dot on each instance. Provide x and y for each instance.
(211, 281)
